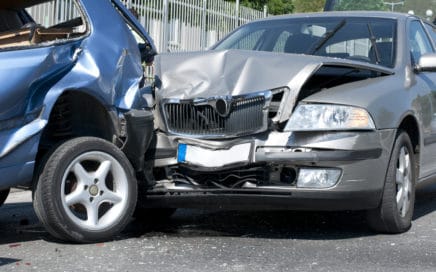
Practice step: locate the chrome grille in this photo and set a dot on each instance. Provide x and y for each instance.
(247, 115)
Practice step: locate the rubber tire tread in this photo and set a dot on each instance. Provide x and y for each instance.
(47, 202)
(386, 218)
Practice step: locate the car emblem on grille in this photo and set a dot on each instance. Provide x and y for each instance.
(223, 107)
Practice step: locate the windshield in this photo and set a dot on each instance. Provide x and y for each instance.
(359, 39)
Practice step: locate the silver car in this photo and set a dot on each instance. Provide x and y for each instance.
(324, 111)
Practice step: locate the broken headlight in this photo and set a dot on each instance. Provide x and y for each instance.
(312, 117)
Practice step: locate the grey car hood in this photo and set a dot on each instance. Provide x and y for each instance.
(235, 72)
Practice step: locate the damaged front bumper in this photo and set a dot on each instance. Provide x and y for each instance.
(274, 171)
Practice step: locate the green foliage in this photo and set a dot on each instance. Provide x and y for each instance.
(309, 6)
(361, 5)
(255, 4)
(275, 7)
(419, 7)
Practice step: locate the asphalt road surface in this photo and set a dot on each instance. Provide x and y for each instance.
(225, 241)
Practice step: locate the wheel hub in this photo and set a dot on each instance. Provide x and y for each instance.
(100, 205)
(93, 190)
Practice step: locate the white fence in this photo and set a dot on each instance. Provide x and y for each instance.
(187, 25)
(174, 25)
(63, 10)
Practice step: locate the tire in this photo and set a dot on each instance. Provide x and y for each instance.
(86, 191)
(394, 215)
(3, 195)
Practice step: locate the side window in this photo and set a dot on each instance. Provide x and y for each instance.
(432, 31)
(418, 41)
(49, 21)
(12, 30)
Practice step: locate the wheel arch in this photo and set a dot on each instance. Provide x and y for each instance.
(409, 124)
(75, 113)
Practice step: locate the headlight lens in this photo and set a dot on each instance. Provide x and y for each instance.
(310, 117)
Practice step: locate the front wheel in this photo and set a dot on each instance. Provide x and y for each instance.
(394, 215)
(86, 192)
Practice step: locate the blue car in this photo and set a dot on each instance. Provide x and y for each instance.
(74, 123)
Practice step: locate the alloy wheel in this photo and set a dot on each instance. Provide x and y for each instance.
(403, 181)
(94, 190)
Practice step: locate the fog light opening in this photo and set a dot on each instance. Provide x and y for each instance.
(288, 176)
(318, 178)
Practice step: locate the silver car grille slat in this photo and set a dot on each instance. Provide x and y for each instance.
(247, 116)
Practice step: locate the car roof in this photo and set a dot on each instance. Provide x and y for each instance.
(342, 14)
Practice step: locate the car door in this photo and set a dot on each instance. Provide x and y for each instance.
(420, 44)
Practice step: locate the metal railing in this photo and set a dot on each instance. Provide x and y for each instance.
(174, 25)
(189, 25)
(54, 12)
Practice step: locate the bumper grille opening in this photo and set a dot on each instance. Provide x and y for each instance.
(246, 116)
(245, 178)
(231, 179)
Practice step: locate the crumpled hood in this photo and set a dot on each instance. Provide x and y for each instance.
(236, 72)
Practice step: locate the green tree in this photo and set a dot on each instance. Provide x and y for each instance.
(419, 7)
(360, 5)
(254, 4)
(278, 7)
(309, 6)
(275, 7)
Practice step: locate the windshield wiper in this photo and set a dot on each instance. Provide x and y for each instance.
(373, 40)
(327, 36)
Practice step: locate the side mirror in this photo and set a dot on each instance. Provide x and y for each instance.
(427, 63)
